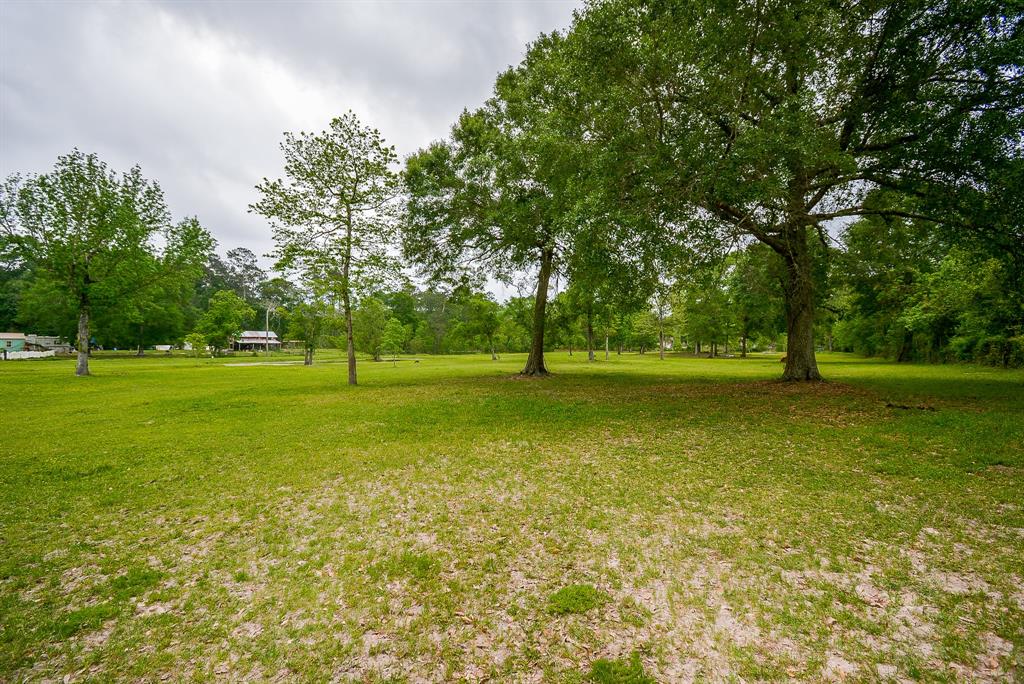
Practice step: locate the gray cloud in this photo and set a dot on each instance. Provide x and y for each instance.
(198, 94)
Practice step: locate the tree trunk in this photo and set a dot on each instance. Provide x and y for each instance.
(307, 359)
(346, 300)
(350, 342)
(535, 361)
(494, 356)
(743, 347)
(696, 350)
(661, 341)
(801, 364)
(82, 367)
(606, 347)
(590, 337)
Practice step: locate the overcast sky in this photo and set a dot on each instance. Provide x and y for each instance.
(198, 94)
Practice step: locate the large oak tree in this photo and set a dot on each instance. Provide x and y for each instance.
(771, 118)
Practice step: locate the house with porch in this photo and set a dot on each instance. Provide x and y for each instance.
(256, 340)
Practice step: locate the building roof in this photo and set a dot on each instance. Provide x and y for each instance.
(261, 334)
(12, 336)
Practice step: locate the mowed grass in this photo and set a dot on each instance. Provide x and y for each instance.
(627, 520)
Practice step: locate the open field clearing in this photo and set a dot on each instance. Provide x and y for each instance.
(688, 519)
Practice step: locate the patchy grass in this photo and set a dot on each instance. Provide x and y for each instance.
(622, 671)
(575, 599)
(184, 519)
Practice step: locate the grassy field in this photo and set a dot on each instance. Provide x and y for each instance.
(630, 520)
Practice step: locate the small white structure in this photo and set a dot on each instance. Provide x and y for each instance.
(15, 355)
(255, 340)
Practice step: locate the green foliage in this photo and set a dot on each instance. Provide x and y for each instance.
(394, 337)
(770, 121)
(333, 215)
(308, 322)
(622, 671)
(576, 598)
(499, 193)
(909, 295)
(197, 342)
(88, 234)
(368, 324)
(224, 319)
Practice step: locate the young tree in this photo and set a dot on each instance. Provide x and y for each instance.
(369, 321)
(771, 120)
(92, 233)
(393, 339)
(196, 342)
(482, 319)
(306, 324)
(332, 215)
(223, 321)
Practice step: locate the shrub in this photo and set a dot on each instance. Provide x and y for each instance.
(1000, 351)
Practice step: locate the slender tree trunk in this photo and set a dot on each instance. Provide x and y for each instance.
(590, 337)
(350, 342)
(606, 347)
(494, 356)
(743, 347)
(570, 345)
(696, 350)
(801, 364)
(661, 339)
(535, 361)
(346, 300)
(82, 367)
(141, 336)
(307, 359)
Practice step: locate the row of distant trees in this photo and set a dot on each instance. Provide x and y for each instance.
(926, 299)
(667, 159)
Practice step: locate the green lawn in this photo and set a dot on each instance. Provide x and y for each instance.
(685, 519)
